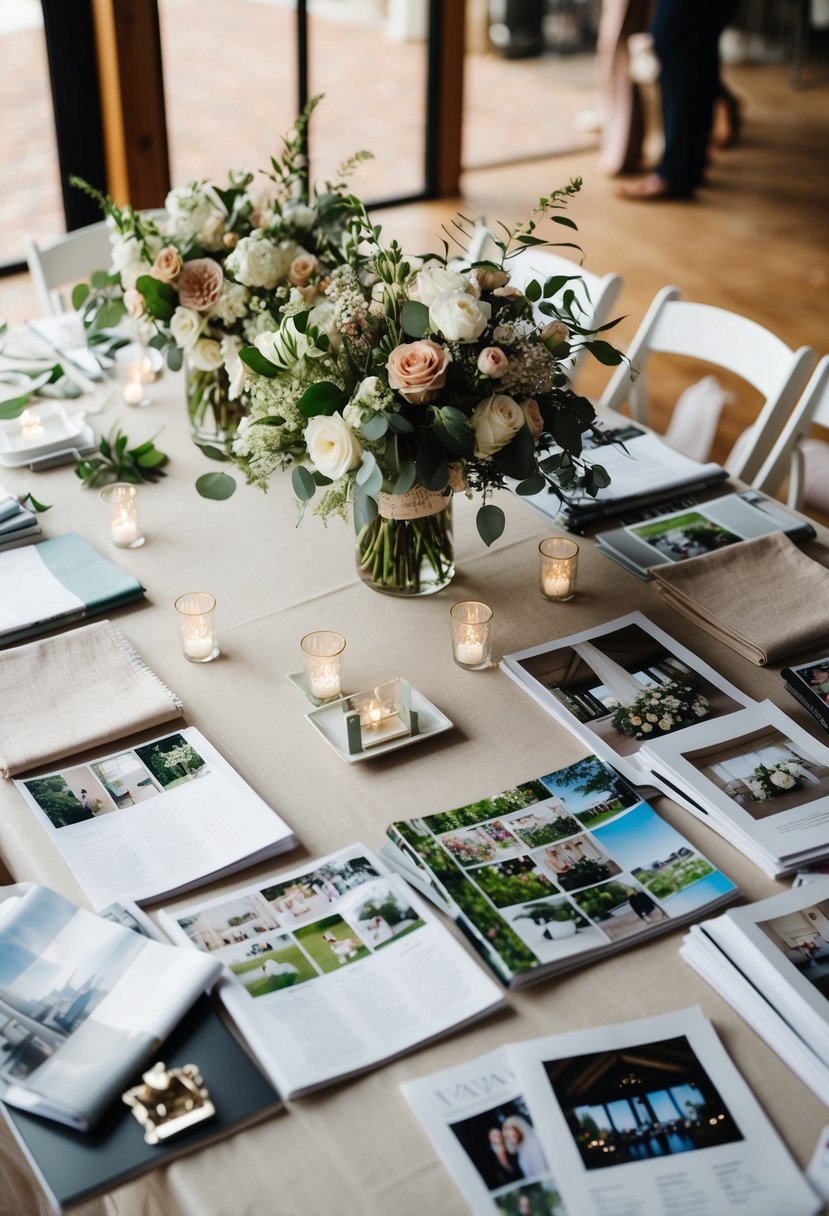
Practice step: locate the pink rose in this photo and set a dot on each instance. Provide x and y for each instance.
(418, 370)
(507, 293)
(554, 334)
(488, 279)
(134, 303)
(492, 362)
(532, 417)
(167, 264)
(200, 284)
(302, 268)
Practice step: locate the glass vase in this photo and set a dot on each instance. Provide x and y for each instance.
(214, 418)
(407, 556)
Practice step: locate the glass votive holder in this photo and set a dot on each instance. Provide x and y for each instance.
(322, 655)
(471, 635)
(134, 369)
(197, 625)
(557, 563)
(124, 529)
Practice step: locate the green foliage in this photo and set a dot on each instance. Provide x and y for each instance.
(55, 798)
(584, 873)
(512, 882)
(216, 486)
(116, 461)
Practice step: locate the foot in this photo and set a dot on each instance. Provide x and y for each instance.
(647, 189)
(726, 122)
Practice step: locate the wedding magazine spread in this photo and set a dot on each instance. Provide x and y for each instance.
(757, 778)
(334, 967)
(84, 1003)
(557, 871)
(770, 960)
(600, 683)
(145, 822)
(645, 1118)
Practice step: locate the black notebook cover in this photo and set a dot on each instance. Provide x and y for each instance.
(74, 1166)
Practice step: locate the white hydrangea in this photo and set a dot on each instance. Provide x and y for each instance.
(196, 213)
(372, 394)
(231, 305)
(257, 261)
(300, 215)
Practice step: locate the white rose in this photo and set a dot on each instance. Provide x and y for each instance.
(206, 355)
(235, 368)
(333, 448)
(185, 326)
(197, 212)
(783, 781)
(434, 279)
(299, 214)
(495, 421)
(647, 727)
(459, 316)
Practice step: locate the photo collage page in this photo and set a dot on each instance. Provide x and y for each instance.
(305, 926)
(566, 862)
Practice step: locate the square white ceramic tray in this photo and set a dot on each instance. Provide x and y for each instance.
(329, 720)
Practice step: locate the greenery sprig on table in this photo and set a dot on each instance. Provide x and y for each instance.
(115, 461)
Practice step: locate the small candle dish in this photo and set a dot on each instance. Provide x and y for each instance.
(332, 723)
(44, 428)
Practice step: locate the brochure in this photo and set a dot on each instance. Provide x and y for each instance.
(612, 684)
(557, 871)
(144, 822)
(643, 469)
(84, 1003)
(770, 960)
(648, 1117)
(809, 684)
(333, 968)
(757, 778)
(676, 536)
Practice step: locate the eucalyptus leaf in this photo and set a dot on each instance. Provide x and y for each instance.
(369, 476)
(365, 509)
(217, 486)
(400, 424)
(414, 317)
(213, 453)
(531, 485)
(406, 478)
(375, 426)
(533, 290)
(303, 482)
(432, 465)
(490, 522)
(80, 292)
(175, 358)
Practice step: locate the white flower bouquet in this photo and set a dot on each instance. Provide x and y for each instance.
(661, 708)
(769, 780)
(411, 380)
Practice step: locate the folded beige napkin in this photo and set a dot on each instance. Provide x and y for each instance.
(78, 690)
(763, 598)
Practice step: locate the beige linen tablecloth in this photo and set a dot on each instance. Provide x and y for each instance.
(356, 1148)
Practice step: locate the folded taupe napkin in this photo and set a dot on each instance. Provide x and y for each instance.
(763, 598)
(78, 690)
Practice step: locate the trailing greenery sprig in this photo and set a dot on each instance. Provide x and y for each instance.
(116, 461)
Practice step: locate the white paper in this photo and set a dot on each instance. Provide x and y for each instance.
(130, 826)
(31, 592)
(333, 968)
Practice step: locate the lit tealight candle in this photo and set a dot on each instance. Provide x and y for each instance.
(375, 716)
(557, 563)
(124, 531)
(472, 635)
(31, 427)
(322, 653)
(197, 626)
(124, 528)
(133, 390)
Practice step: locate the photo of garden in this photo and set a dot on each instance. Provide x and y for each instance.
(690, 534)
(381, 915)
(276, 964)
(592, 791)
(554, 928)
(543, 824)
(486, 842)
(620, 908)
(310, 895)
(513, 882)
(70, 797)
(651, 1101)
(515, 799)
(331, 943)
(172, 761)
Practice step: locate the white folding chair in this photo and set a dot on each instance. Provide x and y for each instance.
(728, 340)
(790, 454)
(66, 262)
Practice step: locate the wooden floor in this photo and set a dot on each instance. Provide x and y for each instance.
(756, 240)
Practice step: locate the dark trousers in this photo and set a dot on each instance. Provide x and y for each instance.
(686, 34)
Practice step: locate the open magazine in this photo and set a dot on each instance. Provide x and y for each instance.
(333, 968)
(648, 1117)
(147, 821)
(84, 1003)
(757, 778)
(600, 683)
(557, 871)
(770, 960)
(676, 536)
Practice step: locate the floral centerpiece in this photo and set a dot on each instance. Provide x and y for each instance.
(661, 708)
(768, 780)
(212, 273)
(413, 380)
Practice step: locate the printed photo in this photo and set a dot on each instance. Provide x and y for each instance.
(661, 860)
(332, 943)
(626, 687)
(764, 772)
(620, 908)
(690, 534)
(577, 862)
(487, 842)
(70, 797)
(554, 928)
(515, 799)
(546, 822)
(58, 963)
(226, 924)
(270, 964)
(513, 882)
(126, 780)
(816, 678)
(654, 1100)
(312, 894)
(380, 915)
(592, 791)
(803, 938)
(535, 1199)
(172, 761)
(502, 1144)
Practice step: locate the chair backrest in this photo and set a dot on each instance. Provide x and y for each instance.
(728, 340)
(65, 262)
(786, 456)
